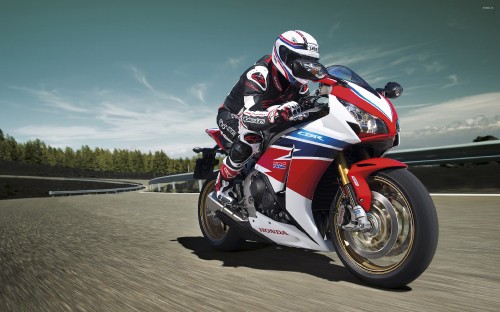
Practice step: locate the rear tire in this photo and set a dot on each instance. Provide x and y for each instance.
(216, 232)
(402, 244)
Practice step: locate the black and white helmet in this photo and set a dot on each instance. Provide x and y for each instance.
(296, 55)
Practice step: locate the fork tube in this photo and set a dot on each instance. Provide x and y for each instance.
(346, 184)
(343, 169)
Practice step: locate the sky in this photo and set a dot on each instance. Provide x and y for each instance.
(151, 74)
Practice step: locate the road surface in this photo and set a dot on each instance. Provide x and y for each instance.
(144, 252)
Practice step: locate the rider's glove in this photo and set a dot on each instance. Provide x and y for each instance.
(287, 112)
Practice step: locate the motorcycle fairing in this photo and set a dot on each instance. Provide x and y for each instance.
(368, 102)
(287, 234)
(379, 103)
(275, 164)
(359, 173)
(216, 134)
(313, 147)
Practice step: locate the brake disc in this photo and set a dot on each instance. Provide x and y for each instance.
(380, 240)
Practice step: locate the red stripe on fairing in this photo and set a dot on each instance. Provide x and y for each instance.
(305, 174)
(271, 156)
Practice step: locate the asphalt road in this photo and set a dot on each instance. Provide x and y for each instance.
(144, 252)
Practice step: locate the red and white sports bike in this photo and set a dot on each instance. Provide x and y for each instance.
(323, 184)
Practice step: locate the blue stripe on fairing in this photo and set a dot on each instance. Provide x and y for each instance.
(317, 138)
(367, 100)
(304, 149)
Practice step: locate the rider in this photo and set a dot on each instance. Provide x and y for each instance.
(266, 93)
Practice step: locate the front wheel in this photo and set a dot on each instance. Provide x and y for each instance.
(404, 234)
(216, 232)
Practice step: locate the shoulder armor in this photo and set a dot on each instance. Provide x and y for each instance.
(258, 75)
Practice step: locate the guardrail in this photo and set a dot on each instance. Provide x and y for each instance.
(172, 179)
(99, 191)
(479, 152)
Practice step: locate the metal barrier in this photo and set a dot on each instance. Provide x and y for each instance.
(479, 152)
(172, 179)
(99, 191)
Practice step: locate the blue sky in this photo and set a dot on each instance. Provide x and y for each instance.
(150, 75)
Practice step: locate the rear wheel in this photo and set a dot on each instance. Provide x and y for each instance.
(216, 232)
(404, 234)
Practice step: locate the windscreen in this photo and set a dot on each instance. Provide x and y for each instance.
(347, 74)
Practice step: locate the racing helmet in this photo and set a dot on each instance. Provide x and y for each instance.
(296, 55)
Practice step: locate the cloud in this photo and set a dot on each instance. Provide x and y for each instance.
(456, 24)
(434, 67)
(54, 100)
(453, 81)
(118, 122)
(333, 29)
(52, 133)
(350, 56)
(124, 119)
(198, 91)
(236, 62)
(466, 117)
(382, 64)
(141, 78)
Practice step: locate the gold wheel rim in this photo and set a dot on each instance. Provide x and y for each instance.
(365, 249)
(213, 227)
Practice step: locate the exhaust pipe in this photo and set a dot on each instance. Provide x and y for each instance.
(234, 221)
(215, 205)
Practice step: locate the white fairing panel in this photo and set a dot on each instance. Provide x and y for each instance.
(284, 234)
(331, 132)
(335, 125)
(379, 103)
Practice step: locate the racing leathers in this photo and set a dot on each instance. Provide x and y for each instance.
(261, 97)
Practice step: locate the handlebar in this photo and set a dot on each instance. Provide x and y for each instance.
(313, 103)
(310, 104)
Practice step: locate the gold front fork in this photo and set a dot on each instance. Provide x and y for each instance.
(344, 178)
(343, 169)
(359, 220)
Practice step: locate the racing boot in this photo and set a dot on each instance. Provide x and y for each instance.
(224, 184)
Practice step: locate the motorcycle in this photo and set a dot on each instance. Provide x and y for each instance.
(323, 183)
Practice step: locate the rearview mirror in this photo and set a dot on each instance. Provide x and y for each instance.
(391, 90)
(307, 69)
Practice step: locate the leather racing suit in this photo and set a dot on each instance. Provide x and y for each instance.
(245, 112)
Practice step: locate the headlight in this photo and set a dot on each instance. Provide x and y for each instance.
(367, 122)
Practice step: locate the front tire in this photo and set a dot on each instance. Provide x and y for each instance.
(404, 232)
(216, 232)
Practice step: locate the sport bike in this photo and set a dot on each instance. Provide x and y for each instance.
(322, 183)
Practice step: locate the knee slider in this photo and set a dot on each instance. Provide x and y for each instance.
(240, 152)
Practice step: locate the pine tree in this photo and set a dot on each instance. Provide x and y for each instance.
(69, 158)
(35, 152)
(161, 163)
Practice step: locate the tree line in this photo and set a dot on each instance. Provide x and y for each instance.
(97, 159)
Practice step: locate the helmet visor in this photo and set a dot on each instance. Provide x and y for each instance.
(308, 68)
